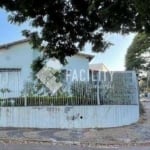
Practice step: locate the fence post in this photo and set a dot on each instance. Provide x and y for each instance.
(98, 99)
(25, 101)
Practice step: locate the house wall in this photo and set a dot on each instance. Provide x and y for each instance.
(98, 116)
(18, 56)
(21, 56)
(78, 67)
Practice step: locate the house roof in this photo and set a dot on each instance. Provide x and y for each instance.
(13, 43)
(98, 67)
(87, 55)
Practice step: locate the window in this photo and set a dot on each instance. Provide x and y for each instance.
(9, 82)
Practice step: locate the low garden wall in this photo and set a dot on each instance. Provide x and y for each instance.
(111, 102)
(95, 116)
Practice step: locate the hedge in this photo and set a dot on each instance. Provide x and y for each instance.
(45, 100)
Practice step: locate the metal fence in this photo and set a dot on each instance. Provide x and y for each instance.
(78, 93)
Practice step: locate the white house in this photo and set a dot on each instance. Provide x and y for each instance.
(15, 66)
(96, 69)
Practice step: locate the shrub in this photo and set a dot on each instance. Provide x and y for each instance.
(46, 101)
(141, 107)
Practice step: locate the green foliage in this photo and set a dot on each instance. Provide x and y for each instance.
(37, 64)
(28, 89)
(142, 109)
(80, 89)
(139, 46)
(34, 88)
(61, 100)
(83, 89)
(46, 101)
(104, 92)
(143, 85)
(65, 26)
(4, 90)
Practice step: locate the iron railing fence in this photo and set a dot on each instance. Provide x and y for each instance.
(78, 93)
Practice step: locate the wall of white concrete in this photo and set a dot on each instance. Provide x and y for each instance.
(69, 116)
(19, 56)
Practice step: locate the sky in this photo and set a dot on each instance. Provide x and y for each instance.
(113, 57)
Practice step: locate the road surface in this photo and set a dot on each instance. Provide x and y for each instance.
(59, 147)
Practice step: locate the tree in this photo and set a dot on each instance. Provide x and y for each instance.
(138, 58)
(138, 54)
(64, 26)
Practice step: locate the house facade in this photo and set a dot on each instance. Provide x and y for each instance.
(97, 70)
(15, 66)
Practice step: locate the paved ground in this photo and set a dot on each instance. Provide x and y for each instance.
(61, 147)
(138, 133)
(41, 147)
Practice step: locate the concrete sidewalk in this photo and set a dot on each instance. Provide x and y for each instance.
(138, 133)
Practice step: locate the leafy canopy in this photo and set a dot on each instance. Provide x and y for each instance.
(138, 54)
(64, 26)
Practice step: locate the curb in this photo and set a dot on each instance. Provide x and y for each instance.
(83, 144)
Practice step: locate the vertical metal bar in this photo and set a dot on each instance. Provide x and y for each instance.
(25, 101)
(98, 100)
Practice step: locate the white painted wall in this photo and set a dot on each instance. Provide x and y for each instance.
(21, 56)
(78, 67)
(69, 116)
(18, 56)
